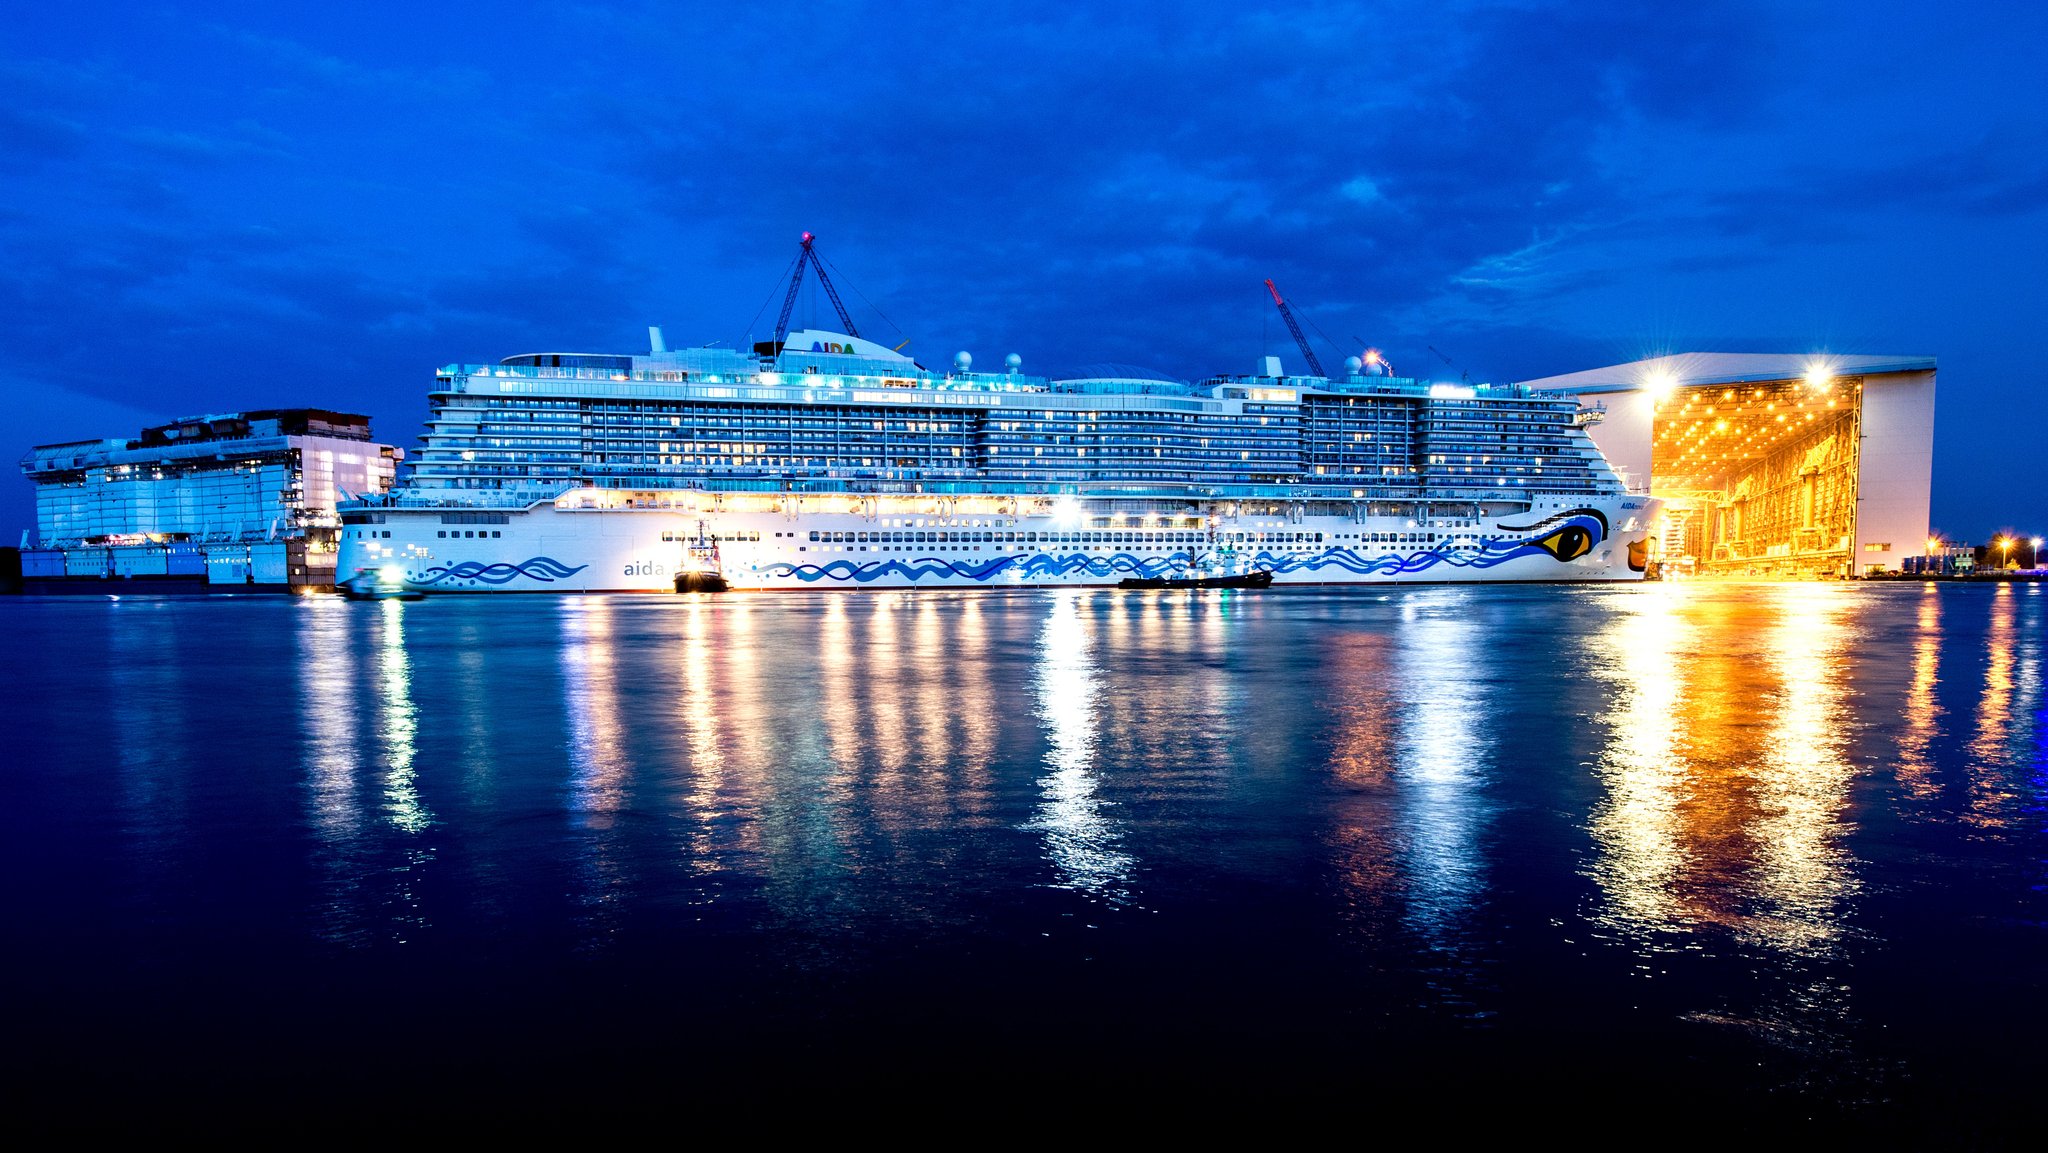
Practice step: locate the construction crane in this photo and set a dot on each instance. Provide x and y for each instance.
(1287, 314)
(1462, 374)
(809, 256)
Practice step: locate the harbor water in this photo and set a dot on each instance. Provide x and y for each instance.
(1643, 862)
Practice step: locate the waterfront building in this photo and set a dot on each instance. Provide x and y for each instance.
(237, 500)
(1772, 464)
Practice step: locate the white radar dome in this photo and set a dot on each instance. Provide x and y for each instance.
(1013, 361)
(1353, 365)
(963, 361)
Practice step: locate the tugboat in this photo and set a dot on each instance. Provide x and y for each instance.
(1256, 579)
(380, 584)
(702, 571)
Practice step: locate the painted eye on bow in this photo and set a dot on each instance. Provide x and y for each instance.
(1568, 543)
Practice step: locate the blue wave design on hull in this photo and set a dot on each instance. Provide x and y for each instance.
(541, 568)
(1491, 554)
(1039, 565)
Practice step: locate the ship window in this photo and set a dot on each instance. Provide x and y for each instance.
(441, 532)
(814, 536)
(494, 532)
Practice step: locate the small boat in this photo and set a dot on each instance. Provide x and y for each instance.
(700, 582)
(1256, 579)
(379, 584)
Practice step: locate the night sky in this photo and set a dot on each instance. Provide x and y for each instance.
(213, 207)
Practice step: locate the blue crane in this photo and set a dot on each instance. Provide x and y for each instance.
(809, 255)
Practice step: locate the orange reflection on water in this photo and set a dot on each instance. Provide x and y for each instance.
(1640, 826)
(1361, 843)
(1804, 876)
(729, 748)
(1726, 769)
(1923, 711)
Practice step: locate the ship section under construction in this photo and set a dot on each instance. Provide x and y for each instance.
(1772, 465)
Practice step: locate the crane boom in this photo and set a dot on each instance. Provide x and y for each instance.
(838, 305)
(1287, 314)
(809, 256)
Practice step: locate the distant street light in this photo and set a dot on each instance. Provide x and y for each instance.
(2005, 544)
(2034, 561)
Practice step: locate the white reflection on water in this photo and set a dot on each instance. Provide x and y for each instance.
(1080, 840)
(597, 762)
(1442, 764)
(332, 746)
(145, 677)
(2001, 750)
(361, 726)
(398, 723)
(704, 733)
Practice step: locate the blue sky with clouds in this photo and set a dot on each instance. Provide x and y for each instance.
(222, 206)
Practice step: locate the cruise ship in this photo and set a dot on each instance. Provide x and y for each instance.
(825, 460)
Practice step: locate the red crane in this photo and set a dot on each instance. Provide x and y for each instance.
(1287, 314)
(809, 255)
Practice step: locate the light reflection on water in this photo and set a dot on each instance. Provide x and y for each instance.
(1725, 768)
(1709, 787)
(1080, 839)
(2001, 780)
(1444, 749)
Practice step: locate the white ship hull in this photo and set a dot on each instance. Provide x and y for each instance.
(572, 545)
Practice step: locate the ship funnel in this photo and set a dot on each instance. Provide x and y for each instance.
(1270, 366)
(654, 339)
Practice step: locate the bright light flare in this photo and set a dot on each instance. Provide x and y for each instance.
(1660, 384)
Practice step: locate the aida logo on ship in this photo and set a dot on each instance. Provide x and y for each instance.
(829, 346)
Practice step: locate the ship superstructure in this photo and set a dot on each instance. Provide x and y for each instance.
(826, 460)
